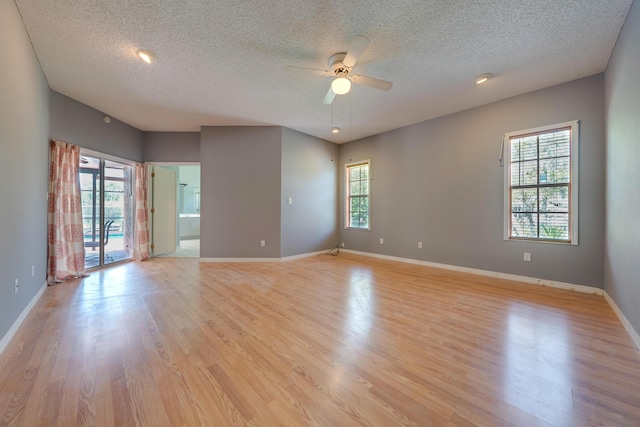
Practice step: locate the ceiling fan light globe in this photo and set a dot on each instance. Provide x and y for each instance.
(341, 86)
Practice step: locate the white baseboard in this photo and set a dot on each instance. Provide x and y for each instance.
(498, 275)
(16, 325)
(284, 259)
(627, 326)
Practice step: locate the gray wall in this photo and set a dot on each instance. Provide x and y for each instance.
(24, 130)
(79, 124)
(310, 177)
(439, 182)
(171, 146)
(622, 105)
(240, 192)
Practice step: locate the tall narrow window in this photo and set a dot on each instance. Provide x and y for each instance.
(358, 195)
(541, 192)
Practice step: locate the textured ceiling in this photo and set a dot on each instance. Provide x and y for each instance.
(224, 63)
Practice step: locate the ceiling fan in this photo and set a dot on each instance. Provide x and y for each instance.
(340, 66)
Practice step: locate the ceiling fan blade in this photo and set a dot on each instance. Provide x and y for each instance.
(372, 82)
(358, 46)
(309, 70)
(328, 98)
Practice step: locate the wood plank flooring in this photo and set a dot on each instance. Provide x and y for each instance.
(323, 341)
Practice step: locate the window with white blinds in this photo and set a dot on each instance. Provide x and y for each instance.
(358, 195)
(541, 196)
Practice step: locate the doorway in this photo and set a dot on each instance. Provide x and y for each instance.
(174, 192)
(107, 210)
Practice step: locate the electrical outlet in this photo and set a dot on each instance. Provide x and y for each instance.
(527, 256)
(17, 286)
(33, 271)
(290, 200)
(342, 244)
(263, 243)
(381, 241)
(419, 245)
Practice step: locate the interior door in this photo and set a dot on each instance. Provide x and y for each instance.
(163, 210)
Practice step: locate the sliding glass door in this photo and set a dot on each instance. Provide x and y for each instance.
(90, 185)
(107, 210)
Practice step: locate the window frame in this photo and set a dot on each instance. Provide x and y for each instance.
(574, 128)
(347, 198)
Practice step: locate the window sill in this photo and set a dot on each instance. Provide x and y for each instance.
(553, 242)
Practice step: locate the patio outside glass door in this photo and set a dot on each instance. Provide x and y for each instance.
(107, 209)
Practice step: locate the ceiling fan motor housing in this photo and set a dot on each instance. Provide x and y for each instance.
(337, 66)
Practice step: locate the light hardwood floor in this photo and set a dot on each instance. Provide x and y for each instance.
(323, 341)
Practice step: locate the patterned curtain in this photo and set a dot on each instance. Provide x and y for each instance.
(66, 247)
(141, 227)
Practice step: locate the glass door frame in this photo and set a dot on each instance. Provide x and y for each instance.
(99, 206)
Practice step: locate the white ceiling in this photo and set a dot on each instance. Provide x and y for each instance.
(223, 63)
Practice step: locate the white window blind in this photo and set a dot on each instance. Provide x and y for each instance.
(541, 190)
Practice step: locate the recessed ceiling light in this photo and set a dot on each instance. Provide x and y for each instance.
(482, 78)
(335, 130)
(146, 55)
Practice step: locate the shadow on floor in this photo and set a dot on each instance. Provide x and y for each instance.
(187, 249)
